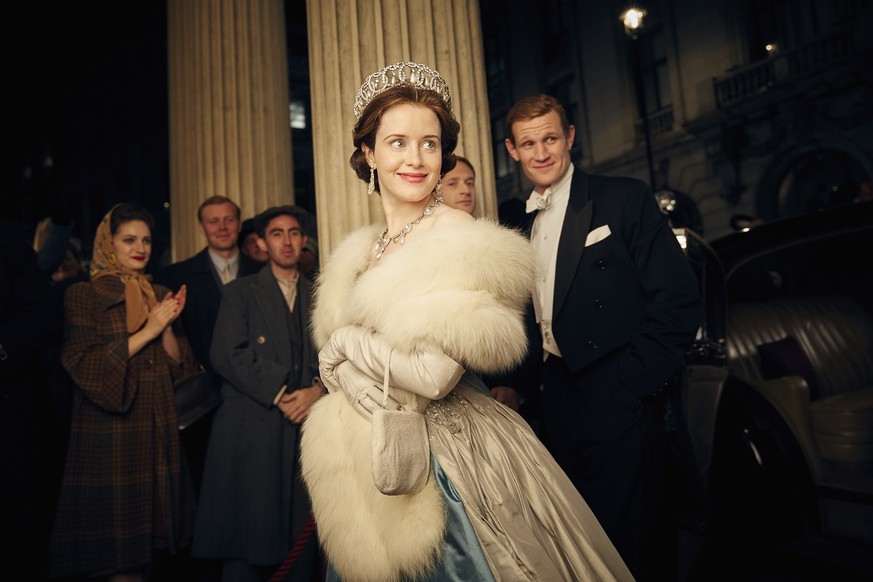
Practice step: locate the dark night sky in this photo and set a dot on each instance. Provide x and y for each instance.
(86, 85)
(68, 62)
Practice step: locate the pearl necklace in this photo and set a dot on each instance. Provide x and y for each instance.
(400, 238)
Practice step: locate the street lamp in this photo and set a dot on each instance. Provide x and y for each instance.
(632, 18)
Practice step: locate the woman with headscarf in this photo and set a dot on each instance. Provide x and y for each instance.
(126, 491)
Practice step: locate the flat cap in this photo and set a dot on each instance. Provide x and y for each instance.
(263, 219)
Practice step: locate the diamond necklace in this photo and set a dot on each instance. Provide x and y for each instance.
(400, 238)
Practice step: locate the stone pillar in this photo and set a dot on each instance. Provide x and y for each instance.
(348, 40)
(228, 98)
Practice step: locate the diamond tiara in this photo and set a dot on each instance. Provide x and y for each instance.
(414, 74)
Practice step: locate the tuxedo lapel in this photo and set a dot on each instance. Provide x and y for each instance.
(527, 223)
(577, 223)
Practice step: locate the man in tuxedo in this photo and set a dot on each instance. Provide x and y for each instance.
(615, 306)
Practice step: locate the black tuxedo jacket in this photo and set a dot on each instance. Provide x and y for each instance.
(623, 288)
(204, 297)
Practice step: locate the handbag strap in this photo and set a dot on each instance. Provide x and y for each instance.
(385, 380)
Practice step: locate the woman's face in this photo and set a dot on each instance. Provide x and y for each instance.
(407, 153)
(133, 245)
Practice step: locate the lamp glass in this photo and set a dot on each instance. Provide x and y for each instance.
(633, 20)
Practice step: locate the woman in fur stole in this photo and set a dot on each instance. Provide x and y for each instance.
(415, 471)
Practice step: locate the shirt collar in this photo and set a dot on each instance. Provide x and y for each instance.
(220, 262)
(557, 192)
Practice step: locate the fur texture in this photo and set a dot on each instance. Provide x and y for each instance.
(369, 537)
(460, 289)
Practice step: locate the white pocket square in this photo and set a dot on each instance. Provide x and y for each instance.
(597, 235)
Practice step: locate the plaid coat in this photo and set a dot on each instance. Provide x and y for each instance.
(124, 491)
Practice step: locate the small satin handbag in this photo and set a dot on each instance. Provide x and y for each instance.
(400, 451)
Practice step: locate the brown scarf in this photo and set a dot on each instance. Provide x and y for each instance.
(139, 295)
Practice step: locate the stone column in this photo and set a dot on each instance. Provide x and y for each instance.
(228, 98)
(348, 40)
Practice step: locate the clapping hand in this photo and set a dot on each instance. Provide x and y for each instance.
(167, 311)
(180, 298)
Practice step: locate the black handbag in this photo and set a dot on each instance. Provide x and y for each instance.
(196, 396)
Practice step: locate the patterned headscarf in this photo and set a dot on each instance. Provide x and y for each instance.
(139, 295)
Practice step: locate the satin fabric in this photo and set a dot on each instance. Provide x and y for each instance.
(512, 513)
(530, 520)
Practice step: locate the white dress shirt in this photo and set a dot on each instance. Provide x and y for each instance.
(227, 269)
(544, 237)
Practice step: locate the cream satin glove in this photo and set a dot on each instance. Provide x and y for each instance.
(354, 361)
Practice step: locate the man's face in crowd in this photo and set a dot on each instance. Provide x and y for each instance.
(283, 241)
(459, 188)
(251, 248)
(221, 226)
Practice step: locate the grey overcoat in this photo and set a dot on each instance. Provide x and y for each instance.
(253, 504)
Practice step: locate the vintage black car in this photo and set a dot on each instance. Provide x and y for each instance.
(779, 393)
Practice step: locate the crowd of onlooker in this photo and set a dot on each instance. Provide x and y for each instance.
(87, 385)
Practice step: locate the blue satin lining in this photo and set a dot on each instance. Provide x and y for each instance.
(462, 557)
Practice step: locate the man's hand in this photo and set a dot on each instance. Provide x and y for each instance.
(295, 406)
(506, 395)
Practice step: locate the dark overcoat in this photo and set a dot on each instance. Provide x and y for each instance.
(204, 298)
(253, 504)
(125, 490)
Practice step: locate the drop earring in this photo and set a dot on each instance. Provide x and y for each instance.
(371, 187)
(438, 189)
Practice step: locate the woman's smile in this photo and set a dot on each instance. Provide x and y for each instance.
(415, 178)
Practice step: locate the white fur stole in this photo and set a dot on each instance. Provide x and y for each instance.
(458, 288)
(461, 287)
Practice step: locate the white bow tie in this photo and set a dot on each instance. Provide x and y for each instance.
(538, 201)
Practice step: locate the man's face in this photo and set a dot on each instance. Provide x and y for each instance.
(221, 226)
(283, 241)
(459, 188)
(251, 248)
(542, 149)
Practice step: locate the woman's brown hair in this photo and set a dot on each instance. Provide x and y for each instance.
(367, 126)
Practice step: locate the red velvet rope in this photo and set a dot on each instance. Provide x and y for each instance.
(279, 574)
